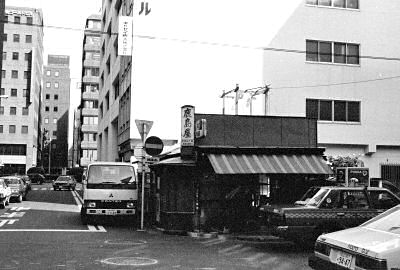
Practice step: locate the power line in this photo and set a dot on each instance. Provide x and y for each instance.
(209, 43)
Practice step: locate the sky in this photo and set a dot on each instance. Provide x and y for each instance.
(198, 49)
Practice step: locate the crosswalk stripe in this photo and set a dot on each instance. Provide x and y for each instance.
(214, 242)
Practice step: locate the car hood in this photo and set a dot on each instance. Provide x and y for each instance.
(374, 241)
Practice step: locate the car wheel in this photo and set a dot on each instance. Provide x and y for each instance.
(3, 205)
(19, 199)
(7, 201)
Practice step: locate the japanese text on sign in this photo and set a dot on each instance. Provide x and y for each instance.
(125, 35)
(187, 138)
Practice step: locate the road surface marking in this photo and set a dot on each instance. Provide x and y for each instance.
(226, 250)
(256, 256)
(48, 230)
(134, 261)
(242, 250)
(76, 197)
(213, 242)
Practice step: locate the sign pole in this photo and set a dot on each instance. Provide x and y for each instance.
(143, 179)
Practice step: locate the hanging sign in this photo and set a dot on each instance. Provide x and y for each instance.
(187, 125)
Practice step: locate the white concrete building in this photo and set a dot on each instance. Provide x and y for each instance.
(340, 61)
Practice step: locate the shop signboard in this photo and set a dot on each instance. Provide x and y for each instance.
(187, 125)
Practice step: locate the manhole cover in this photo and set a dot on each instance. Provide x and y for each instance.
(134, 261)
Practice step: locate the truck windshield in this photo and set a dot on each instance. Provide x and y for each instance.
(111, 174)
(318, 197)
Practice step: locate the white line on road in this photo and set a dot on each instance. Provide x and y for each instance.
(228, 249)
(242, 250)
(49, 230)
(213, 242)
(77, 198)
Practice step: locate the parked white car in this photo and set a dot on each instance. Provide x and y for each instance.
(373, 245)
(5, 194)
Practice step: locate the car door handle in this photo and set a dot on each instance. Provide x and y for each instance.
(340, 214)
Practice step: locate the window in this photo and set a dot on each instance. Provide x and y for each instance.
(47, 108)
(11, 129)
(28, 39)
(4, 37)
(343, 53)
(56, 85)
(333, 110)
(48, 84)
(27, 56)
(24, 129)
(29, 20)
(25, 93)
(13, 110)
(25, 111)
(26, 75)
(4, 56)
(55, 109)
(16, 37)
(56, 73)
(47, 96)
(54, 133)
(17, 19)
(1, 128)
(15, 55)
(351, 4)
(46, 120)
(14, 92)
(2, 91)
(55, 97)
(2, 110)
(382, 199)
(48, 72)
(14, 74)
(3, 74)
(54, 120)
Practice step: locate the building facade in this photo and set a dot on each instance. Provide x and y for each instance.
(55, 112)
(333, 61)
(87, 135)
(22, 60)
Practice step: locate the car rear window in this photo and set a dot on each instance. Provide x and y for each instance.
(12, 181)
(63, 178)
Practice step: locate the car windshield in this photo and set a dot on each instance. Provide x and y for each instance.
(308, 195)
(317, 198)
(388, 221)
(63, 178)
(111, 174)
(12, 181)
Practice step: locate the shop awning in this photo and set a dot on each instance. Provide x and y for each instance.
(268, 164)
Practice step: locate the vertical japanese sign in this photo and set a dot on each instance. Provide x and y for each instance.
(187, 124)
(125, 35)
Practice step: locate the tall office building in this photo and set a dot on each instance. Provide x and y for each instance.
(21, 89)
(347, 78)
(55, 112)
(88, 108)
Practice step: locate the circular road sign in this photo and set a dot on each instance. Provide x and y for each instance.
(153, 146)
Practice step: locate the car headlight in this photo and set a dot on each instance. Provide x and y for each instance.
(91, 204)
(130, 205)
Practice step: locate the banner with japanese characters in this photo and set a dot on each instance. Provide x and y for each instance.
(187, 124)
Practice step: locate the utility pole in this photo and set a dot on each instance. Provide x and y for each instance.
(266, 99)
(49, 156)
(236, 90)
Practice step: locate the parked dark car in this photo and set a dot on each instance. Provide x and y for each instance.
(17, 186)
(332, 208)
(64, 182)
(37, 178)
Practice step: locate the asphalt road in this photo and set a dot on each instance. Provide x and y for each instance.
(45, 232)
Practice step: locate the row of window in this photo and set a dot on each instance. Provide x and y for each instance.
(13, 149)
(16, 38)
(17, 19)
(90, 137)
(332, 52)
(16, 56)
(13, 110)
(351, 4)
(91, 88)
(46, 120)
(90, 120)
(333, 110)
(56, 73)
(13, 129)
(14, 74)
(14, 92)
(89, 154)
(47, 108)
(48, 97)
(56, 85)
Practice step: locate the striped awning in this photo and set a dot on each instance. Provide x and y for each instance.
(268, 164)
